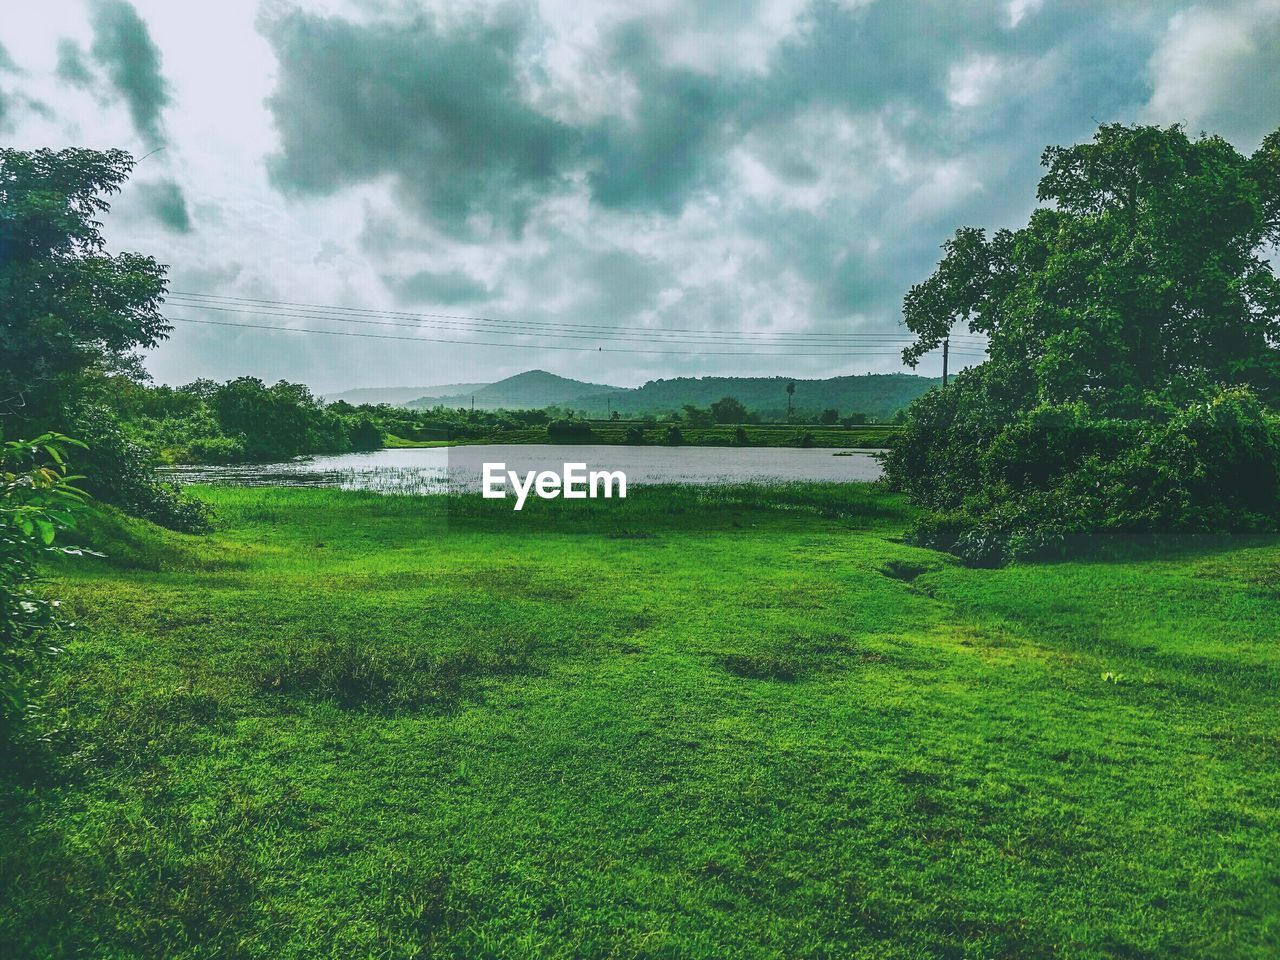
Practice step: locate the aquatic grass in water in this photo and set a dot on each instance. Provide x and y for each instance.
(459, 469)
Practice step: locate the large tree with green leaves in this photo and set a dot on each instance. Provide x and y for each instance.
(1134, 328)
(75, 313)
(69, 306)
(1148, 270)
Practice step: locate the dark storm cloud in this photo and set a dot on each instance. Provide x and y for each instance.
(899, 120)
(73, 64)
(164, 201)
(681, 124)
(439, 112)
(6, 64)
(122, 46)
(16, 102)
(427, 286)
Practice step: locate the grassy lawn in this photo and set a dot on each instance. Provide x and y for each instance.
(744, 723)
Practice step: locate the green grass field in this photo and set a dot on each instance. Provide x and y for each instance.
(868, 436)
(734, 723)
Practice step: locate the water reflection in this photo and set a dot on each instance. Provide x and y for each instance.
(459, 469)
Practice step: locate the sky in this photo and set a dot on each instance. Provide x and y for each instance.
(759, 169)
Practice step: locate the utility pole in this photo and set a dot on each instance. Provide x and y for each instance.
(946, 348)
(473, 396)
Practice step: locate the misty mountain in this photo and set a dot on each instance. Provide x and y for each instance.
(532, 389)
(877, 395)
(399, 396)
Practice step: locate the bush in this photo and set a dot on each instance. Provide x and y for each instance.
(569, 431)
(364, 434)
(634, 436)
(122, 473)
(674, 437)
(215, 450)
(37, 501)
(741, 437)
(803, 439)
(1060, 471)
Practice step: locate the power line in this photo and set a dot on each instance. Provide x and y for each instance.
(288, 308)
(486, 343)
(867, 340)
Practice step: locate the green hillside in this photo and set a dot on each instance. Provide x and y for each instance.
(532, 389)
(878, 395)
(397, 396)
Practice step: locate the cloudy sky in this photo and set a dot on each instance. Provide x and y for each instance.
(760, 169)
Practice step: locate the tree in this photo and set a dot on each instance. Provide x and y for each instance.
(697, 416)
(1136, 312)
(830, 417)
(791, 392)
(365, 434)
(68, 306)
(277, 422)
(1148, 271)
(728, 410)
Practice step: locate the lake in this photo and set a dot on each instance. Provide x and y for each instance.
(444, 469)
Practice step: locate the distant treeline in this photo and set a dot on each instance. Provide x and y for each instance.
(246, 420)
(242, 420)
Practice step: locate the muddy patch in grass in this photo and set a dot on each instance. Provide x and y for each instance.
(382, 678)
(906, 570)
(760, 666)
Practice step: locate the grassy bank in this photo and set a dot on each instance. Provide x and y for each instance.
(870, 436)
(735, 723)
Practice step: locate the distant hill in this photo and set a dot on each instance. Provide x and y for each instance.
(532, 389)
(877, 395)
(399, 396)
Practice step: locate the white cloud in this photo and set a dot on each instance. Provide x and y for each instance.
(974, 80)
(1220, 65)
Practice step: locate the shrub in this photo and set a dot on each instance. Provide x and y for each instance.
(37, 500)
(741, 437)
(122, 473)
(1060, 471)
(216, 450)
(634, 436)
(569, 431)
(674, 436)
(363, 433)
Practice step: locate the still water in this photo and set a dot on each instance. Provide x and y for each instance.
(442, 469)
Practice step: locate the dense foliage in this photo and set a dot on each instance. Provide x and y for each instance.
(237, 421)
(37, 500)
(68, 305)
(1133, 330)
(75, 317)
